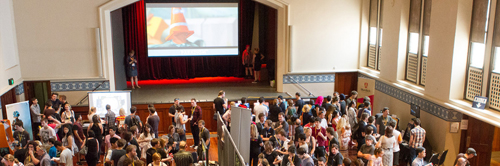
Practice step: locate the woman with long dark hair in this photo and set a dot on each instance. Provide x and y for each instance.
(96, 127)
(92, 144)
(257, 61)
(145, 140)
(68, 140)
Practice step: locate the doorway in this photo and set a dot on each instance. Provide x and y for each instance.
(39, 90)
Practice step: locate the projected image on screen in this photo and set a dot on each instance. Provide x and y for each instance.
(192, 29)
(115, 99)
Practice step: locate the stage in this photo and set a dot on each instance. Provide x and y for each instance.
(203, 89)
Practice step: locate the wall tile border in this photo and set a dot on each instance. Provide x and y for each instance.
(78, 86)
(435, 109)
(309, 78)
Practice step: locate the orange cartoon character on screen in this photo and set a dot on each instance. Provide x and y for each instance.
(179, 31)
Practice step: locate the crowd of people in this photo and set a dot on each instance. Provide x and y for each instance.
(120, 140)
(322, 131)
(283, 132)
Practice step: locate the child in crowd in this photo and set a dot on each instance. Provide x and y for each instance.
(346, 137)
(376, 159)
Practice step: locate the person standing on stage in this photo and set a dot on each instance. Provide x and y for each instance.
(173, 109)
(257, 61)
(195, 117)
(246, 58)
(132, 68)
(220, 104)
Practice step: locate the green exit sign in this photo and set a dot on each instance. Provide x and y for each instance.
(11, 81)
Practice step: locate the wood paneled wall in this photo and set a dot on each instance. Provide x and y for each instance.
(165, 121)
(8, 97)
(496, 140)
(346, 82)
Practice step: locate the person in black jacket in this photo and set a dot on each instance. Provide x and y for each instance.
(274, 110)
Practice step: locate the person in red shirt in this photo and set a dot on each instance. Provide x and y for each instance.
(246, 59)
(319, 133)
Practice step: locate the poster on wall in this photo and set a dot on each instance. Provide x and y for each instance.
(366, 87)
(20, 110)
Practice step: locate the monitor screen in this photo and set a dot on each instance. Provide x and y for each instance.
(116, 99)
(415, 110)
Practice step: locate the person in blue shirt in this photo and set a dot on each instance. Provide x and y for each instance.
(53, 150)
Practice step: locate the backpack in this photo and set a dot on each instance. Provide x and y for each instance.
(355, 134)
(136, 122)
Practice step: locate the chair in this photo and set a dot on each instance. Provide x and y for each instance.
(442, 157)
(434, 159)
(397, 122)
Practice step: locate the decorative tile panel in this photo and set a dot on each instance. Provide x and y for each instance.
(309, 78)
(474, 83)
(425, 105)
(20, 89)
(78, 86)
(495, 91)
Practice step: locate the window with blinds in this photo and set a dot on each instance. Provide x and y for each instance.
(494, 88)
(477, 48)
(375, 34)
(418, 45)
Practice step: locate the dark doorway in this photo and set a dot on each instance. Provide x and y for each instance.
(39, 90)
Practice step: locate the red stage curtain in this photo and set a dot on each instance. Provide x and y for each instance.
(182, 67)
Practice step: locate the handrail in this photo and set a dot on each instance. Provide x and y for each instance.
(226, 132)
(296, 82)
(87, 96)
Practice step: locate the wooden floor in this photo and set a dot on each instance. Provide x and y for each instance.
(213, 154)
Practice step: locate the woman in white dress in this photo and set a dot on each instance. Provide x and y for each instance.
(145, 140)
(387, 143)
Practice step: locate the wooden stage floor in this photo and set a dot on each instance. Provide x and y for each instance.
(203, 89)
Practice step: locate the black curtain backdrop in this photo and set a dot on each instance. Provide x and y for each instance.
(134, 29)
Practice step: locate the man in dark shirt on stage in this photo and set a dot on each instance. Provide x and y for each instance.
(220, 104)
(173, 108)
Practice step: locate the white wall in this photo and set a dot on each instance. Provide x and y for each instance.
(9, 61)
(325, 34)
(56, 38)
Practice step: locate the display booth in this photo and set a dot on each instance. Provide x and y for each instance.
(6, 142)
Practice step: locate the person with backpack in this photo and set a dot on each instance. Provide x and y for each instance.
(132, 119)
(359, 130)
